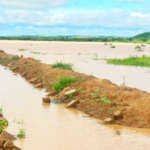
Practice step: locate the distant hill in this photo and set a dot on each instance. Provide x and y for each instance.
(145, 35)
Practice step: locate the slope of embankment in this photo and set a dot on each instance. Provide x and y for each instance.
(99, 98)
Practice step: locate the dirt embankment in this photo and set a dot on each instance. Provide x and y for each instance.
(99, 98)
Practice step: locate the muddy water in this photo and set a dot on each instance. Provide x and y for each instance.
(52, 126)
(82, 54)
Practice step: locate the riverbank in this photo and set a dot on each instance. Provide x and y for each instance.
(99, 98)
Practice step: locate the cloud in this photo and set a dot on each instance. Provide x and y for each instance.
(33, 4)
(132, 0)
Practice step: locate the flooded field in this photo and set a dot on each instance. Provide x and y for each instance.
(52, 126)
(82, 55)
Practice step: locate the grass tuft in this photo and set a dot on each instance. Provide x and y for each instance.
(63, 82)
(66, 66)
(143, 61)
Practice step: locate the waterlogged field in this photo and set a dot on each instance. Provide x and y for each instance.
(52, 126)
(88, 58)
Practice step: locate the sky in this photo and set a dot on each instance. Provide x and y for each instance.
(124, 18)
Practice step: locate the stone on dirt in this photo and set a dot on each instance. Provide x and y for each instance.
(52, 93)
(1, 51)
(1, 115)
(9, 144)
(33, 80)
(108, 120)
(10, 64)
(24, 74)
(14, 68)
(38, 85)
(46, 99)
(8, 136)
(117, 114)
(72, 103)
(72, 92)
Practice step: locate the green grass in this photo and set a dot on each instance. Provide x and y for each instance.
(6, 60)
(35, 52)
(21, 49)
(63, 82)
(62, 65)
(21, 133)
(143, 61)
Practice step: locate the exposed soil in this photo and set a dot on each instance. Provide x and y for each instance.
(133, 104)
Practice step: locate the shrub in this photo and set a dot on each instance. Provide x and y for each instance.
(66, 66)
(63, 82)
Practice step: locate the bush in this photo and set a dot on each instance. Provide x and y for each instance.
(63, 82)
(66, 66)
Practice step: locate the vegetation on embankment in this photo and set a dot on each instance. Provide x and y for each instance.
(99, 98)
(143, 61)
(62, 65)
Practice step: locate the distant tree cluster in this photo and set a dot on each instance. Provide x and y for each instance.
(142, 38)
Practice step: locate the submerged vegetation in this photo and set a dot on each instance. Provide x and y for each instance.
(62, 65)
(131, 61)
(63, 82)
(21, 133)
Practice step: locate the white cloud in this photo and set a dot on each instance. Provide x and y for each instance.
(33, 4)
(138, 15)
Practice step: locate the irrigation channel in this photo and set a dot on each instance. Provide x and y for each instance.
(52, 126)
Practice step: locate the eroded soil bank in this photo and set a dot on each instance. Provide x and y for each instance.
(133, 104)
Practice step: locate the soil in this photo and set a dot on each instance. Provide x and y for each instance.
(133, 104)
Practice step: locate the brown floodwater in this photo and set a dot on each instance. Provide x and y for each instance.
(81, 54)
(52, 126)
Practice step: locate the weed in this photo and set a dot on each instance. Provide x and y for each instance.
(131, 61)
(82, 101)
(21, 49)
(79, 53)
(21, 133)
(63, 82)
(70, 95)
(1, 110)
(35, 52)
(3, 123)
(37, 60)
(95, 57)
(96, 93)
(143, 45)
(66, 66)
(112, 110)
(138, 48)
(113, 46)
(80, 89)
(105, 43)
(110, 44)
(105, 100)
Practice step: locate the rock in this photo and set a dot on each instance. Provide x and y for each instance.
(33, 80)
(21, 56)
(1, 115)
(10, 64)
(24, 74)
(46, 99)
(117, 114)
(72, 103)
(14, 68)
(5, 68)
(52, 93)
(1, 140)
(108, 120)
(3, 119)
(38, 85)
(71, 92)
(8, 136)
(1, 51)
